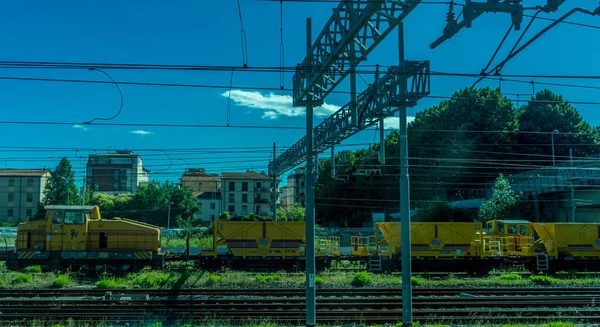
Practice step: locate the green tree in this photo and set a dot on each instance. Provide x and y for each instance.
(501, 203)
(544, 113)
(61, 188)
(295, 213)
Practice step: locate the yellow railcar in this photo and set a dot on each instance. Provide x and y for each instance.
(267, 244)
(77, 236)
(569, 246)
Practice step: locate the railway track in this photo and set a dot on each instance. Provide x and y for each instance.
(287, 305)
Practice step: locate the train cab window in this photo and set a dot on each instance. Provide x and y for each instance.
(74, 217)
(523, 230)
(512, 229)
(488, 228)
(58, 217)
(500, 227)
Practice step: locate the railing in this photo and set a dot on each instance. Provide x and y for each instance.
(508, 245)
(328, 246)
(363, 245)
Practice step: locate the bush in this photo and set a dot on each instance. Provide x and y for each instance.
(156, 324)
(34, 269)
(214, 279)
(109, 283)
(415, 324)
(61, 281)
(2, 283)
(318, 280)
(511, 276)
(416, 281)
(21, 278)
(268, 278)
(542, 280)
(362, 279)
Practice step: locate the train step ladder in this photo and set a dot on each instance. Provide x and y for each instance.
(542, 261)
(374, 262)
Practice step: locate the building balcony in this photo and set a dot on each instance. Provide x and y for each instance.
(262, 200)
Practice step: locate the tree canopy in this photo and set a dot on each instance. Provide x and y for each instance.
(61, 188)
(456, 149)
(500, 204)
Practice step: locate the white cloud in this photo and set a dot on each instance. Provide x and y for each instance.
(275, 105)
(141, 132)
(81, 127)
(394, 122)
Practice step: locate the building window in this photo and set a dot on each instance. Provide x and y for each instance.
(29, 197)
(244, 210)
(212, 217)
(258, 210)
(199, 187)
(231, 197)
(212, 205)
(245, 198)
(11, 197)
(30, 182)
(11, 182)
(10, 213)
(232, 186)
(258, 185)
(28, 213)
(244, 186)
(231, 209)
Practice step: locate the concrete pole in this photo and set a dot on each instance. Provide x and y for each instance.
(311, 308)
(381, 143)
(404, 195)
(274, 187)
(572, 187)
(553, 160)
(84, 191)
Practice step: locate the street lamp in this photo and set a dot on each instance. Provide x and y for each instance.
(553, 159)
(67, 187)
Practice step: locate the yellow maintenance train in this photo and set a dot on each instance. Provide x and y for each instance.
(78, 237)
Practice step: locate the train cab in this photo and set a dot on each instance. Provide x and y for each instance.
(509, 238)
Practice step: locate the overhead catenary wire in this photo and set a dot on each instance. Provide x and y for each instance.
(120, 94)
(243, 37)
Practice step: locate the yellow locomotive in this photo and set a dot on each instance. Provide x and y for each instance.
(77, 237)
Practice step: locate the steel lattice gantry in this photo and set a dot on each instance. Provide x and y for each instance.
(353, 31)
(380, 100)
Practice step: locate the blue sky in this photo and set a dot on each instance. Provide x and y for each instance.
(208, 33)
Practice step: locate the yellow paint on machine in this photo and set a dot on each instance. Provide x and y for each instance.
(569, 239)
(26, 255)
(143, 255)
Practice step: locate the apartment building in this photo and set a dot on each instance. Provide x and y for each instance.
(210, 204)
(201, 182)
(249, 192)
(115, 173)
(20, 192)
(295, 187)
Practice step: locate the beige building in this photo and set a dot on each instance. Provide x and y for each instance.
(249, 192)
(20, 192)
(201, 182)
(295, 189)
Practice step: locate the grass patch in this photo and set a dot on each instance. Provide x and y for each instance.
(362, 279)
(150, 279)
(34, 269)
(542, 280)
(511, 277)
(110, 283)
(21, 278)
(268, 278)
(61, 281)
(2, 283)
(214, 279)
(561, 324)
(416, 281)
(318, 280)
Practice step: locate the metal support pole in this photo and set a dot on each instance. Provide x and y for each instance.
(404, 196)
(274, 187)
(381, 143)
(169, 217)
(84, 191)
(553, 160)
(311, 308)
(332, 162)
(572, 187)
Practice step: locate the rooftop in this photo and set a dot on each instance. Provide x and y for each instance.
(247, 175)
(24, 172)
(210, 195)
